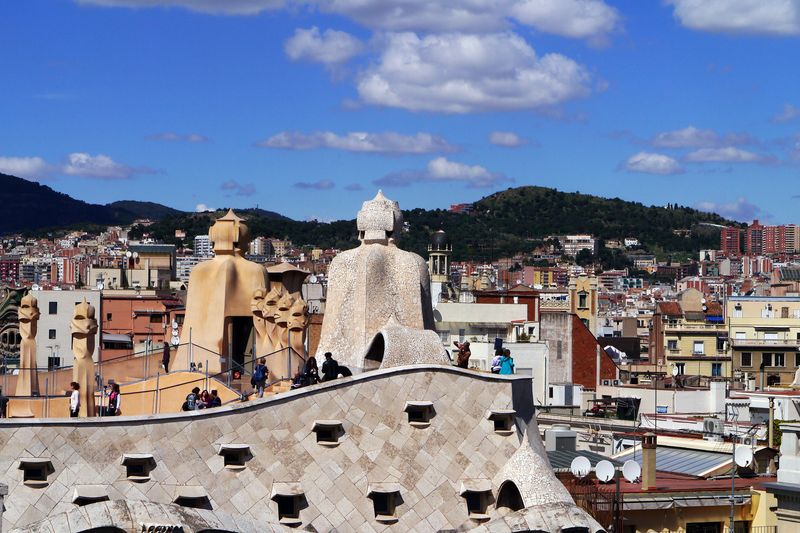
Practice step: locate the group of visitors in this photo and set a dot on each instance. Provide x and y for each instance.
(310, 375)
(201, 400)
(502, 363)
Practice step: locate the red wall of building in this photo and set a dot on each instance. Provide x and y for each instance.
(584, 357)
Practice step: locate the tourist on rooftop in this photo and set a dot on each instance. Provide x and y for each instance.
(114, 407)
(311, 372)
(259, 379)
(203, 400)
(191, 400)
(75, 400)
(330, 367)
(506, 362)
(215, 399)
(165, 357)
(498, 356)
(464, 354)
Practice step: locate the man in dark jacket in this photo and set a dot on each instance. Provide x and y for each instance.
(165, 357)
(330, 368)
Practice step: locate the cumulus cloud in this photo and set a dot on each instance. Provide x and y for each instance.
(727, 154)
(99, 167)
(321, 185)
(788, 114)
(202, 208)
(740, 210)
(692, 137)
(507, 138)
(30, 168)
(442, 170)
(178, 137)
(569, 18)
(239, 189)
(462, 73)
(214, 7)
(378, 143)
(651, 163)
(770, 17)
(330, 47)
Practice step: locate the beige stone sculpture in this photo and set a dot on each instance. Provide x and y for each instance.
(375, 285)
(297, 326)
(220, 290)
(28, 380)
(84, 331)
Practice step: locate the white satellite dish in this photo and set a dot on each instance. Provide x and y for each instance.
(743, 456)
(631, 471)
(604, 471)
(674, 370)
(135, 255)
(175, 341)
(702, 300)
(128, 254)
(580, 467)
(312, 279)
(174, 325)
(100, 286)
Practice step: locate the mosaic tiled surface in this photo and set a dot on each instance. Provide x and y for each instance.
(379, 445)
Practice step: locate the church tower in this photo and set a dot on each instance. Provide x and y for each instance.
(439, 250)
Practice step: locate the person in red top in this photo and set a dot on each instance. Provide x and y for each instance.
(464, 354)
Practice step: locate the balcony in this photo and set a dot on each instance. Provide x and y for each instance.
(694, 327)
(554, 305)
(765, 343)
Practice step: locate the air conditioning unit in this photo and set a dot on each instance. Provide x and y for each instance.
(713, 428)
(606, 382)
(748, 441)
(616, 383)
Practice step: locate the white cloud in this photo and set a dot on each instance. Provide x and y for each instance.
(771, 17)
(378, 143)
(215, 7)
(460, 73)
(442, 170)
(239, 189)
(788, 114)
(569, 18)
(651, 163)
(178, 137)
(330, 47)
(201, 208)
(30, 168)
(99, 166)
(727, 154)
(741, 209)
(320, 185)
(691, 137)
(506, 138)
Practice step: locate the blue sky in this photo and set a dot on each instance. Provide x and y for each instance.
(306, 107)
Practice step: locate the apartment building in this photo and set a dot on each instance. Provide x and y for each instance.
(690, 335)
(764, 333)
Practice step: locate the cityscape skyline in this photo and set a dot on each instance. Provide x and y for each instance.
(242, 103)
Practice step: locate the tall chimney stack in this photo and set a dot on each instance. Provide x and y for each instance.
(648, 461)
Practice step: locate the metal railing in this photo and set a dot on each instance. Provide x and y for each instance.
(738, 343)
(235, 375)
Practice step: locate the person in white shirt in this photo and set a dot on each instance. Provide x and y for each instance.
(75, 400)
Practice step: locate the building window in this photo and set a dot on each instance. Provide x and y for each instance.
(583, 300)
(698, 348)
(155, 319)
(797, 359)
(737, 311)
(672, 344)
(770, 336)
(780, 360)
(747, 359)
(716, 369)
(784, 312)
(740, 336)
(766, 359)
(720, 344)
(681, 368)
(558, 349)
(108, 317)
(52, 308)
(51, 334)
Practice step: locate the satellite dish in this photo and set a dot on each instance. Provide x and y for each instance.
(128, 254)
(100, 286)
(175, 341)
(743, 456)
(702, 300)
(631, 471)
(674, 370)
(174, 325)
(604, 471)
(135, 255)
(580, 467)
(312, 279)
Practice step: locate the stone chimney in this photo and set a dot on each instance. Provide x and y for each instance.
(649, 461)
